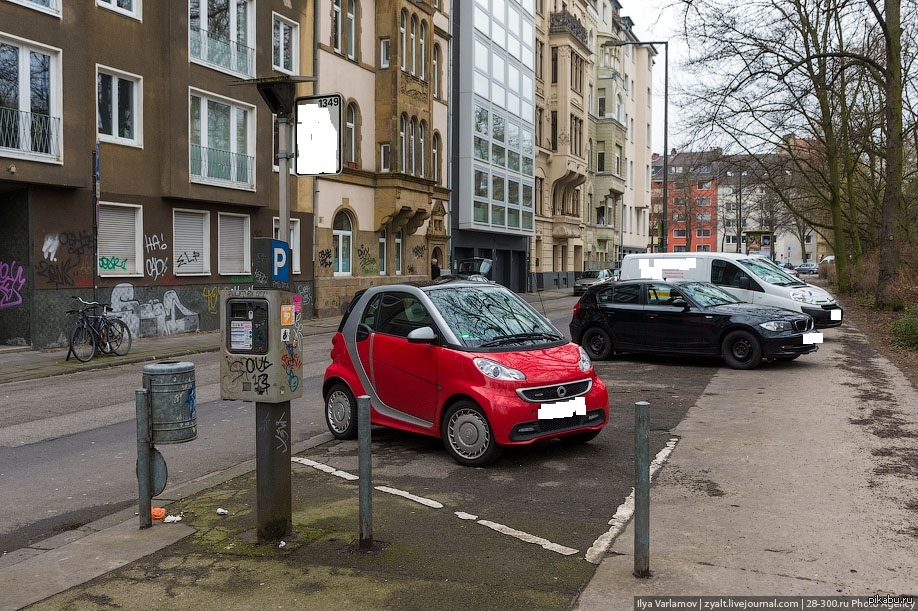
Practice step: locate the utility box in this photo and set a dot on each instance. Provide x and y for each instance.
(260, 344)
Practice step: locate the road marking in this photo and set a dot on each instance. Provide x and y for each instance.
(624, 512)
(522, 536)
(410, 497)
(325, 468)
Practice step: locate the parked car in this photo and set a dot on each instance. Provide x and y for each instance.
(588, 278)
(475, 269)
(807, 269)
(790, 269)
(470, 363)
(688, 318)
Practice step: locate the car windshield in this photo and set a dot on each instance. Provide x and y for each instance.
(706, 294)
(592, 274)
(769, 272)
(491, 316)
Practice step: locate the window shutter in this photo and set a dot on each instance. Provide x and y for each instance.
(233, 240)
(188, 243)
(118, 240)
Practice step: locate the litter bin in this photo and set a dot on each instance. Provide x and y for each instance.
(171, 393)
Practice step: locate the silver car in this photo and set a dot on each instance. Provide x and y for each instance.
(588, 278)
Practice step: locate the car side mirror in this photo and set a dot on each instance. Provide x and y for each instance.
(363, 332)
(423, 335)
(679, 302)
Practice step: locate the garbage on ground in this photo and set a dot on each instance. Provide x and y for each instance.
(282, 544)
(158, 513)
(221, 511)
(170, 519)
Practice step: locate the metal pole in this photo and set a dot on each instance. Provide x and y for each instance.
(283, 180)
(272, 470)
(144, 459)
(665, 144)
(365, 472)
(641, 489)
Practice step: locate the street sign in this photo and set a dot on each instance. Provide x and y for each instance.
(318, 135)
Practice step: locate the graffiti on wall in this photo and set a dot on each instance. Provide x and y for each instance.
(156, 264)
(12, 280)
(419, 251)
(247, 373)
(212, 295)
(62, 254)
(305, 293)
(367, 261)
(154, 317)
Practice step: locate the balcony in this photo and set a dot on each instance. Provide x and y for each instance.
(565, 23)
(30, 133)
(221, 52)
(221, 167)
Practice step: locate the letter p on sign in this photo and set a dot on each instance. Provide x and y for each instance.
(280, 269)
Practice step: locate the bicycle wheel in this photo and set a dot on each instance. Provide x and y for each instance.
(117, 336)
(82, 343)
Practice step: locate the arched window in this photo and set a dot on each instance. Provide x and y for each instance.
(342, 235)
(351, 28)
(403, 144)
(403, 47)
(435, 77)
(422, 57)
(412, 138)
(414, 44)
(350, 134)
(420, 155)
(619, 107)
(435, 158)
(336, 25)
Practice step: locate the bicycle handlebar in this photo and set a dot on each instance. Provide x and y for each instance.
(91, 304)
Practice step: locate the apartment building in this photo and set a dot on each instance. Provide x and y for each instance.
(692, 206)
(123, 126)
(385, 216)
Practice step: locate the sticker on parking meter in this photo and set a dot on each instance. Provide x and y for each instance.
(287, 315)
(285, 336)
(563, 409)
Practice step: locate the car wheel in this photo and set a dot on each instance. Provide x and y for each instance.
(341, 412)
(468, 437)
(741, 350)
(580, 437)
(597, 343)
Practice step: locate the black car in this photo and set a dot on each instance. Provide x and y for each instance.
(687, 317)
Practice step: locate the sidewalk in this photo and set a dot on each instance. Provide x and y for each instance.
(792, 494)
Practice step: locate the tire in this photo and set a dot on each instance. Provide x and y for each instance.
(341, 412)
(468, 436)
(82, 343)
(597, 343)
(584, 437)
(117, 335)
(742, 350)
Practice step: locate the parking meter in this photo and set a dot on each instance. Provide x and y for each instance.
(260, 345)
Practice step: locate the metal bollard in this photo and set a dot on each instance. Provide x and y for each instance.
(641, 489)
(144, 483)
(365, 472)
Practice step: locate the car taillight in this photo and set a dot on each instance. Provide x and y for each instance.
(576, 308)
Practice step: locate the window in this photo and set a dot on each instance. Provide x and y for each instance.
(52, 7)
(704, 185)
(601, 161)
(703, 201)
(350, 136)
(384, 158)
(234, 238)
(191, 242)
(398, 253)
(619, 108)
(435, 76)
(384, 53)
(422, 133)
(808, 239)
(336, 25)
(602, 103)
(293, 241)
(285, 45)
(221, 34)
(435, 158)
(730, 239)
(678, 233)
(119, 97)
(403, 143)
(703, 248)
(352, 29)
(403, 45)
(30, 106)
(130, 8)
(342, 234)
(702, 233)
(398, 314)
(222, 142)
(120, 240)
(382, 252)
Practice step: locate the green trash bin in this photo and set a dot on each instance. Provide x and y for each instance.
(171, 393)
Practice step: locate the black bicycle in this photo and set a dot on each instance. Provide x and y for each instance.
(97, 332)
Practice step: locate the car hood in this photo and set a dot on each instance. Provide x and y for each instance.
(543, 366)
(813, 294)
(764, 312)
(589, 281)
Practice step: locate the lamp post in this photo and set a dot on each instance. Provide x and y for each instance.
(665, 43)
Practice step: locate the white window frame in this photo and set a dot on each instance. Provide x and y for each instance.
(137, 106)
(251, 44)
(403, 40)
(703, 232)
(136, 12)
(53, 8)
(385, 157)
(385, 47)
(351, 29)
(245, 240)
(122, 245)
(422, 50)
(339, 236)
(336, 25)
(350, 134)
(293, 242)
(398, 253)
(180, 248)
(277, 44)
(383, 251)
(252, 121)
(435, 72)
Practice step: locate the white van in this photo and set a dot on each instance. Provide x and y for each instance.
(751, 278)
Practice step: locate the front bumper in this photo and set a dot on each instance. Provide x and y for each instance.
(825, 316)
(792, 345)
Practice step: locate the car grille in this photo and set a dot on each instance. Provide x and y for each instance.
(803, 324)
(537, 428)
(557, 392)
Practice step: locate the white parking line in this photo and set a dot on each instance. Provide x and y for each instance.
(325, 468)
(522, 536)
(410, 497)
(624, 512)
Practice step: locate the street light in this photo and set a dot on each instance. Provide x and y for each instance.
(665, 43)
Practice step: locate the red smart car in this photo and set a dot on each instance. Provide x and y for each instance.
(467, 362)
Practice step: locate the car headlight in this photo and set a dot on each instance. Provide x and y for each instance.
(584, 363)
(803, 296)
(495, 370)
(776, 325)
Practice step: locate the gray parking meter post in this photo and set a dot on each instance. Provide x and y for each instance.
(365, 472)
(641, 489)
(144, 484)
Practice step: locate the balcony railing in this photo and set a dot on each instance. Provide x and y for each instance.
(564, 22)
(221, 52)
(29, 132)
(220, 166)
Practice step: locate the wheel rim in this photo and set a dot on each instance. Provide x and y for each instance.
(741, 349)
(596, 344)
(469, 433)
(83, 345)
(338, 411)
